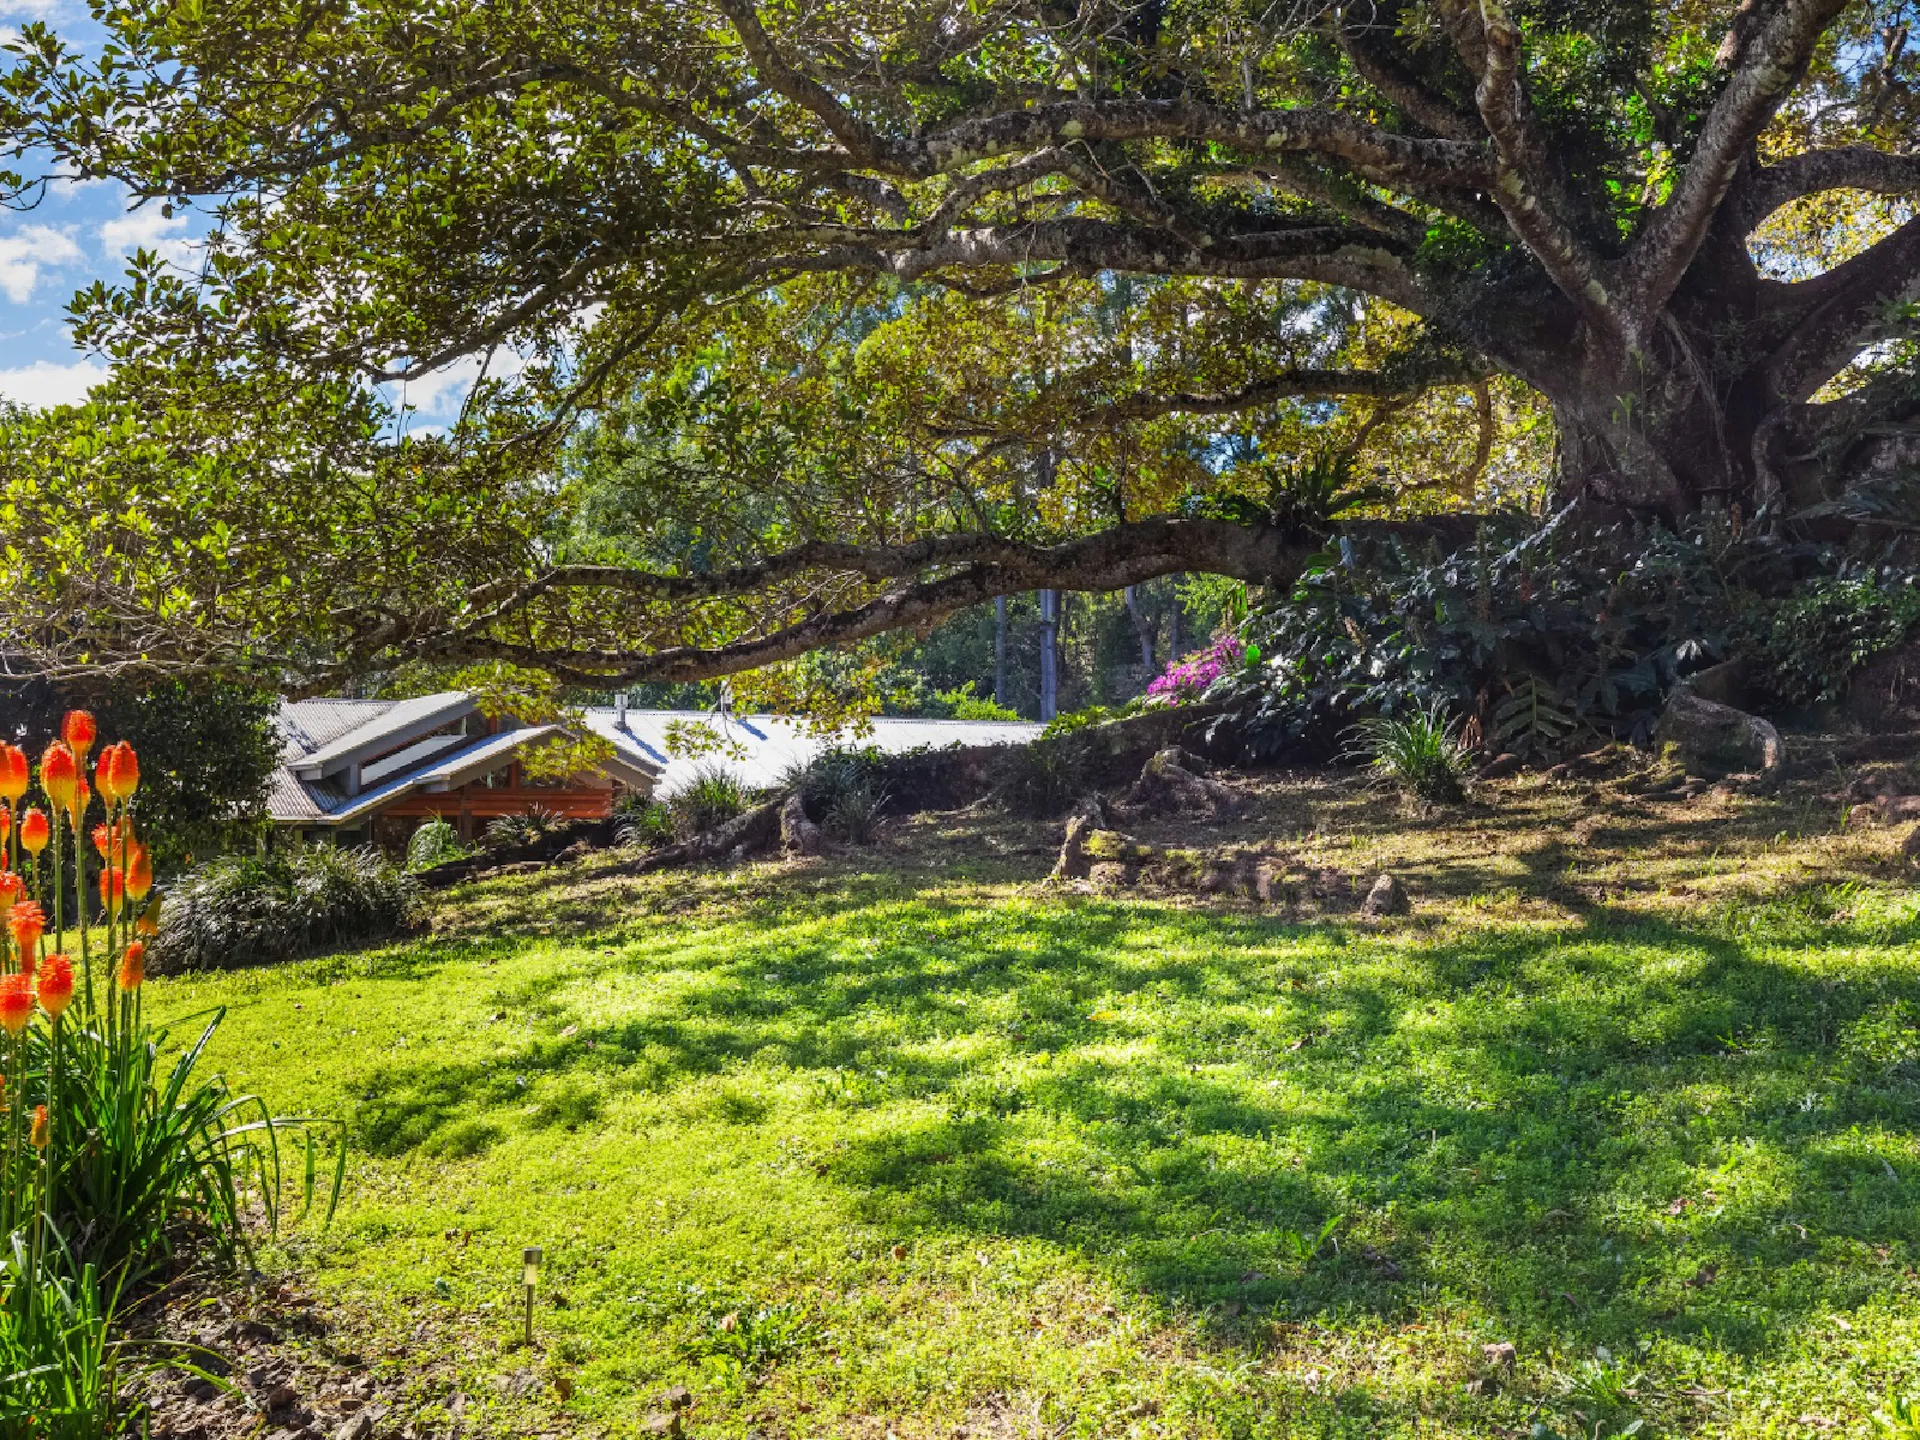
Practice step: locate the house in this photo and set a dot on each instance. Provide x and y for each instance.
(360, 771)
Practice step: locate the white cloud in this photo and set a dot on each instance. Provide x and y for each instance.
(444, 390)
(32, 9)
(26, 251)
(44, 384)
(148, 229)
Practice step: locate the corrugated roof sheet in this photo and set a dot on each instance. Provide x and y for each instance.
(392, 719)
(760, 749)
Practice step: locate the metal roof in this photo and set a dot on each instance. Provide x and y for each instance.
(759, 749)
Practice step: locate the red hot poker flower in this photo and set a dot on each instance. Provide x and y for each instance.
(56, 985)
(133, 966)
(26, 922)
(59, 774)
(38, 1137)
(113, 890)
(16, 1004)
(33, 830)
(13, 773)
(6, 825)
(12, 887)
(78, 730)
(123, 771)
(139, 872)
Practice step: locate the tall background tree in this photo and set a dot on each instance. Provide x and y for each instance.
(917, 303)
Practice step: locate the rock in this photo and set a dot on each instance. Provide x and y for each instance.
(1387, 897)
(678, 1398)
(1500, 767)
(1109, 875)
(662, 1422)
(354, 1427)
(578, 850)
(1170, 780)
(1088, 816)
(798, 834)
(281, 1396)
(1500, 1353)
(1717, 738)
(1911, 847)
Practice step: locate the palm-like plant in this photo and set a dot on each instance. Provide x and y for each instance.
(1420, 751)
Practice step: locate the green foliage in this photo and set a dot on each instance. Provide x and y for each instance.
(1045, 776)
(1816, 638)
(61, 1375)
(963, 704)
(711, 798)
(526, 827)
(434, 843)
(1419, 751)
(1532, 719)
(1901, 1419)
(1541, 635)
(1071, 721)
(644, 823)
(207, 752)
(252, 910)
(844, 789)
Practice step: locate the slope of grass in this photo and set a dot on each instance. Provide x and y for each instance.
(935, 1148)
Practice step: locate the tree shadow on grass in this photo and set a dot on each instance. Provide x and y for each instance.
(1622, 1126)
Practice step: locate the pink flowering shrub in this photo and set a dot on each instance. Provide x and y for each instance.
(1187, 678)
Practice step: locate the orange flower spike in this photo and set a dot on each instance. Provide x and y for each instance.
(13, 773)
(34, 830)
(78, 730)
(139, 872)
(12, 887)
(77, 809)
(102, 838)
(16, 1004)
(26, 922)
(124, 770)
(59, 775)
(133, 966)
(39, 1136)
(113, 890)
(149, 922)
(56, 985)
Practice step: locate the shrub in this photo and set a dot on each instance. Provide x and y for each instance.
(644, 823)
(59, 1371)
(529, 827)
(434, 843)
(1420, 752)
(1814, 640)
(963, 704)
(249, 910)
(1044, 777)
(1190, 677)
(711, 798)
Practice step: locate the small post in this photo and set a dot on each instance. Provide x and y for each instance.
(529, 1277)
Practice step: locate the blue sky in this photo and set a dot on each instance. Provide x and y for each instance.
(80, 233)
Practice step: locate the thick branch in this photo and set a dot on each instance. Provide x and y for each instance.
(1851, 167)
(1125, 555)
(1329, 254)
(1768, 66)
(1837, 315)
(1526, 183)
(1421, 105)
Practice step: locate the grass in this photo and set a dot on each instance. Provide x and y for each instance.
(925, 1145)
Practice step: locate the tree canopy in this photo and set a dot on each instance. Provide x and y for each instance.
(883, 310)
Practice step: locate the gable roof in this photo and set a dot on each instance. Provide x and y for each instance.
(322, 740)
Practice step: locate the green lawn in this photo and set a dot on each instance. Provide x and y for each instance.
(849, 1154)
